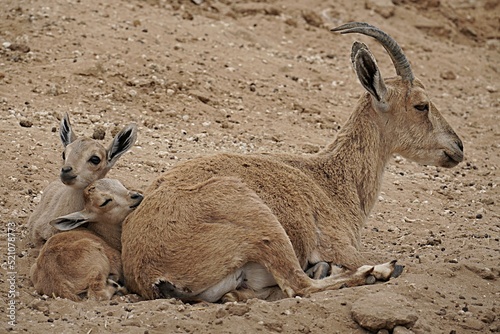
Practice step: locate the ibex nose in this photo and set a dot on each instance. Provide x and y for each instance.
(68, 177)
(136, 196)
(66, 169)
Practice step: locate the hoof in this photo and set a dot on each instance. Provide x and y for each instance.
(319, 271)
(398, 270)
(383, 272)
(370, 280)
(167, 290)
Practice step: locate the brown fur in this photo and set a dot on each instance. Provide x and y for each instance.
(205, 219)
(66, 195)
(81, 262)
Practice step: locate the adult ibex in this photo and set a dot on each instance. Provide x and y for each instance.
(240, 224)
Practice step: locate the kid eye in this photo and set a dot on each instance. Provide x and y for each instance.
(106, 202)
(95, 159)
(422, 107)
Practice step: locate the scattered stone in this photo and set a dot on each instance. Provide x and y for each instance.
(401, 330)
(310, 148)
(312, 18)
(483, 272)
(491, 89)
(25, 123)
(493, 44)
(448, 75)
(472, 323)
(431, 241)
(237, 309)
(383, 310)
(384, 8)
(221, 313)
(19, 47)
(488, 317)
(274, 326)
(99, 132)
(39, 305)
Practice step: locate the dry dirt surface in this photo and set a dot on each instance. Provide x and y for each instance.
(256, 76)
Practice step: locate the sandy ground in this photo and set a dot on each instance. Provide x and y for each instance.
(254, 76)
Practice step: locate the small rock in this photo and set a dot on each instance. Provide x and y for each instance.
(237, 309)
(491, 89)
(383, 310)
(401, 330)
(485, 273)
(274, 327)
(310, 148)
(493, 44)
(448, 75)
(312, 18)
(488, 317)
(384, 8)
(39, 305)
(99, 132)
(19, 47)
(472, 323)
(221, 313)
(25, 123)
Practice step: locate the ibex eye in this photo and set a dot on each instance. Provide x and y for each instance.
(95, 159)
(64, 156)
(422, 107)
(106, 202)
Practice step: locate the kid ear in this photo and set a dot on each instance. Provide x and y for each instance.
(69, 222)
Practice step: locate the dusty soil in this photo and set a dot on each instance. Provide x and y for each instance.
(254, 76)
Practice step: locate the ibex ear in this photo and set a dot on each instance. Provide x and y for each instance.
(367, 71)
(122, 142)
(66, 132)
(69, 222)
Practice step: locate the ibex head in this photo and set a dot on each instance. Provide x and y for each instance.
(412, 123)
(87, 160)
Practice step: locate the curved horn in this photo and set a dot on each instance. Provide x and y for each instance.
(399, 60)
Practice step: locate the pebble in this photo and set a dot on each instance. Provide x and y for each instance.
(472, 323)
(25, 123)
(401, 330)
(448, 75)
(237, 309)
(19, 47)
(312, 18)
(99, 132)
(491, 89)
(383, 310)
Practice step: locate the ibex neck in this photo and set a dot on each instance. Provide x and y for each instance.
(360, 152)
(111, 234)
